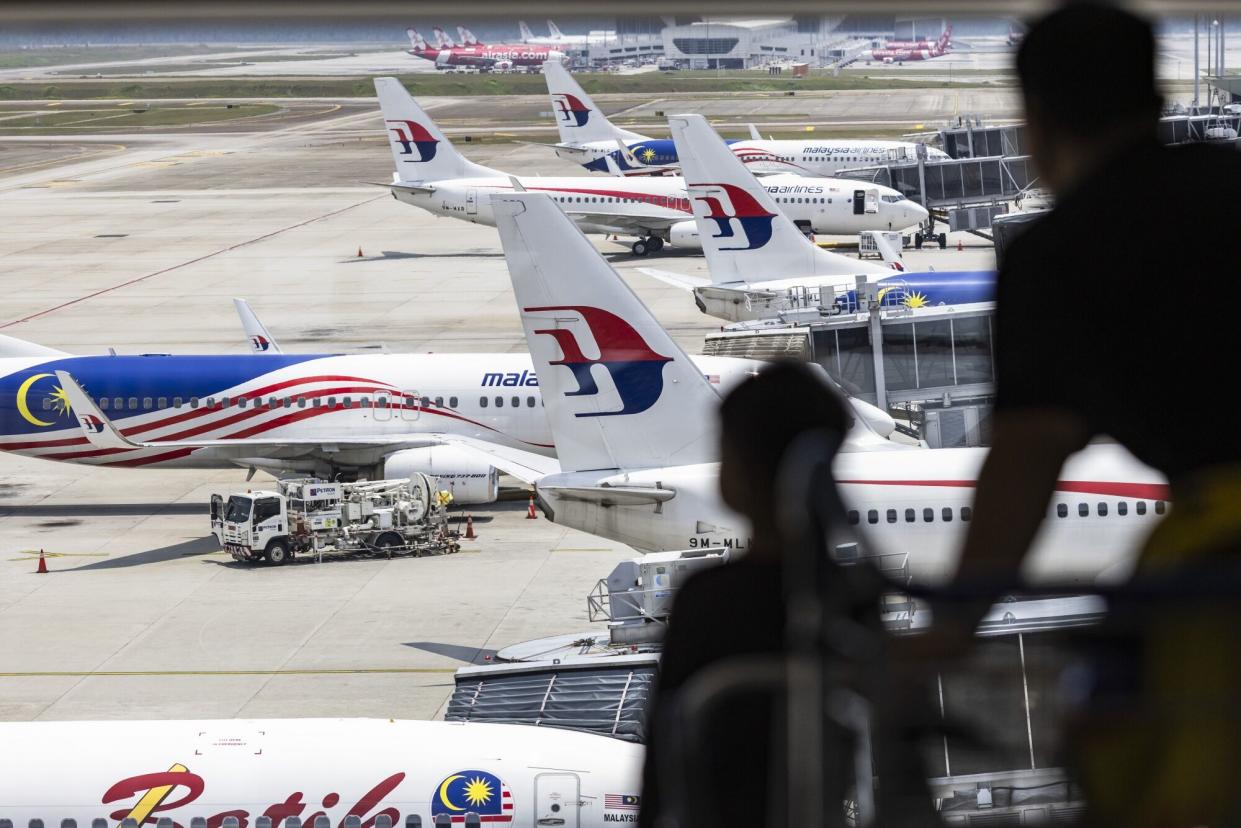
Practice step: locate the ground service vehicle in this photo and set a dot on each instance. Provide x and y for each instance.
(309, 516)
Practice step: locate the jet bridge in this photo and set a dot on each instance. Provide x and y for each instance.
(936, 363)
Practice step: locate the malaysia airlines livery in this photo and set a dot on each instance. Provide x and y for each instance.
(511, 776)
(588, 138)
(495, 56)
(635, 432)
(372, 415)
(432, 175)
(760, 263)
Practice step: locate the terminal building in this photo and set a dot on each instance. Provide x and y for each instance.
(732, 43)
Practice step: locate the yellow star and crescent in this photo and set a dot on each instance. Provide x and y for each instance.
(444, 800)
(59, 397)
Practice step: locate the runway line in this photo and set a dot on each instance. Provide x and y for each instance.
(277, 672)
(171, 268)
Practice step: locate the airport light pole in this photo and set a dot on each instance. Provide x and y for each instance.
(1196, 62)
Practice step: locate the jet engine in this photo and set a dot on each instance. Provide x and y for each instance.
(685, 234)
(472, 481)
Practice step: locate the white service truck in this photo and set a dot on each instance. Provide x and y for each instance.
(305, 516)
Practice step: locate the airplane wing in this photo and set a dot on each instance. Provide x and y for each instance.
(627, 225)
(612, 495)
(409, 188)
(261, 342)
(678, 280)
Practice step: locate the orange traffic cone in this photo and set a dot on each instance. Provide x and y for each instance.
(360, 251)
(960, 246)
(42, 570)
(530, 513)
(469, 528)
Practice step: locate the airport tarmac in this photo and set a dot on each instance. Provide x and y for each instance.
(138, 243)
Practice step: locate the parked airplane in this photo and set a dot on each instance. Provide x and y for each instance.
(941, 43)
(467, 37)
(513, 776)
(635, 430)
(559, 38)
(499, 57)
(588, 138)
(431, 174)
(374, 415)
(760, 264)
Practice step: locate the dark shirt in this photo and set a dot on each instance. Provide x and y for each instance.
(730, 611)
(1118, 306)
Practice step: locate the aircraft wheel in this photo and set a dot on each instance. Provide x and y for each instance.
(943, 241)
(655, 243)
(278, 553)
(639, 248)
(917, 241)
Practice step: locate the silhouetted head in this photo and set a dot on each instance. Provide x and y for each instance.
(759, 419)
(1087, 74)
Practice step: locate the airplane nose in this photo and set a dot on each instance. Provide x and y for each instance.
(915, 213)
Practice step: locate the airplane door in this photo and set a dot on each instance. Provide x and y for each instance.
(471, 202)
(411, 405)
(872, 201)
(381, 410)
(859, 202)
(556, 800)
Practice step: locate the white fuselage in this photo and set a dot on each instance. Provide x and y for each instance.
(823, 206)
(513, 776)
(491, 397)
(905, 503)
(823, 158)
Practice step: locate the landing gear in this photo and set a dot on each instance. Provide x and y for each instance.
(929, 238)
(651, 244)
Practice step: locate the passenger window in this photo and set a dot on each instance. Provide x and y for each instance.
(515, 402)
(1140, 506)
(1102, 510)
(301, 402)
(452, 402)
(133, 404)
(118, 403)
(348, 402)
(1160, 507)
(928, 514)
(967, 513)
(146, 403)
(241, 402)
(499, 402)
(910, 515)
(1083, 509)
(853, 517)
(439, 402)
(103, 404)
(193, 402)
(331, 402)
(176, 402)
(316, 403)
(946, 514)
(891, 516)
(47, 403)
(1122, 508)
(162, 402)
(482, 402)
(1062, 510)
(872, 517)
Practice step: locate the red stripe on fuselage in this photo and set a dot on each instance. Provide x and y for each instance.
(1140, 491)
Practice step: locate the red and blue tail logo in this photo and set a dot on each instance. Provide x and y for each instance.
(636, 370)
(749, 215)
(91, 423)
(414, 139)
(260, 342)
(571, 110)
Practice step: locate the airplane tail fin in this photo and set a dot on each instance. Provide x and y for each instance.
(416, 40)
(419, 149)
(524, 29)
(11, 346)
(745, 237)
(442, 39)
(554, 30)
(261, 342)
(577, 117)
(619, 392)
(946, 38)
(467, 37)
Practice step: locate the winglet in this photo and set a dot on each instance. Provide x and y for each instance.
(754, 133)
(98, 429)
(261, 342)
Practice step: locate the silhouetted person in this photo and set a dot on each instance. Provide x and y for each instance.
(738, 609)
(1113, 319)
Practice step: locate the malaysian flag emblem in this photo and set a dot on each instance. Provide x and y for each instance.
(621, 802)
(478, 791)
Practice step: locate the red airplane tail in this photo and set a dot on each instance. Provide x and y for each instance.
(442, 40)
(468, 38)
(416, 40)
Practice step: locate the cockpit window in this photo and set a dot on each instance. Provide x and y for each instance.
(893, 198)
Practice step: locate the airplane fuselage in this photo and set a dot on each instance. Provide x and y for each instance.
(905, 503)
(821, 205)
(512, 776)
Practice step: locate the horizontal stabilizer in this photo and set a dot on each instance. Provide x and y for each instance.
(611, 495)
(677, 280)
